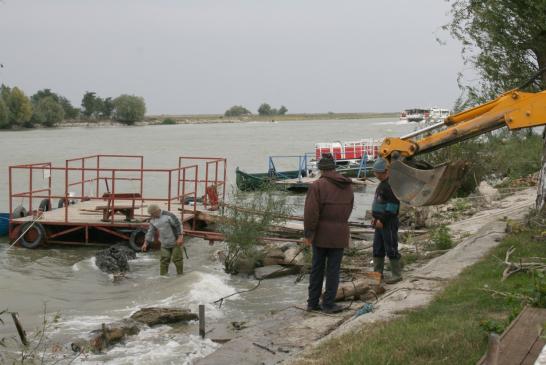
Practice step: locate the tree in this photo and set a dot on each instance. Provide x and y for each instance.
(282, 110)
(129, 109)
(40, 94)
(48, 112)
(20, 108)
(89, 103)
(505, 41)
(69, 110)
(264, 109)
(107, 108)
(4, 116)
(237, 111)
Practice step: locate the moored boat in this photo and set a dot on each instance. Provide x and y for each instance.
(4, 224)
(255, 181)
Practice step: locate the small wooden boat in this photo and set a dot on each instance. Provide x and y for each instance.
(255, 181)
(4, 224)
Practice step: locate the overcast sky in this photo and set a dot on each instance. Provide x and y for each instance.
(203, 56)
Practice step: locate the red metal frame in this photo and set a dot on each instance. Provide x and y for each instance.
(90, 169)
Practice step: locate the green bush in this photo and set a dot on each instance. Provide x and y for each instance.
(4, 116)
(168, 121)
(129, 109)
(237, 111)
(246, 220)
(441, 238)
(495, 155)
(48, 112)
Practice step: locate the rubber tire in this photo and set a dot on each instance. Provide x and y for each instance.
(38, 241)
(19, 212)
(45, 205)
(134, 239)
(60, 204)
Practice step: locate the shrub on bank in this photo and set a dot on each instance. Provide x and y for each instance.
(168, 121)
(494, 156)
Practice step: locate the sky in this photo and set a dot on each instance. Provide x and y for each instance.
(203, 56)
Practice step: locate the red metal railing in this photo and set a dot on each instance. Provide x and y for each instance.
(90, 170)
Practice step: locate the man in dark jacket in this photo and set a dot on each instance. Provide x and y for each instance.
(385, 210)
(328, 206)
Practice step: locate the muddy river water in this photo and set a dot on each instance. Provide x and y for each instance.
(67, 281)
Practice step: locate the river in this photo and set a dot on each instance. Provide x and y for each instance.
(66, 280)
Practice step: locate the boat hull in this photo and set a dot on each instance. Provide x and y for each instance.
(256, 181)
(4, 224)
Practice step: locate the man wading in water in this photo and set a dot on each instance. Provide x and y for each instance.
(170, 237)
(328, 205)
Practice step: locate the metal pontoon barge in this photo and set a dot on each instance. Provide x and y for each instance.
(102, 199)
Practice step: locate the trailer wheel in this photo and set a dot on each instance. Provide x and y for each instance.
(34, 237)
(20, 212)
(61, 203)
(137, 239)
(45, 205)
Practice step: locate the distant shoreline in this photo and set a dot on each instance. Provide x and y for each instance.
(194, 119)
(152, 120)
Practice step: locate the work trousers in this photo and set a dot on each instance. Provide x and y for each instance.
(385, 240)
(168, 254)
(325, 260)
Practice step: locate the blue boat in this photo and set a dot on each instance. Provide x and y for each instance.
(4, 224)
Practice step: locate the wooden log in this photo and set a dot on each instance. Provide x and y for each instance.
(155, 315)
(493, 350)
(20, 330)
(358, 286)
(202, 320)
(108, 335)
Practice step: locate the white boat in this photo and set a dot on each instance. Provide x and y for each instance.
(426, 115)
(417, 114)
(438, 114)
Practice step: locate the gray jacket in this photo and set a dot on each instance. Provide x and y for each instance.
(169, 228)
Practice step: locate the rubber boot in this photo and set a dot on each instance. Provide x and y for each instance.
(164, 261)
(378, 264)
(396, 270)
(178, 260)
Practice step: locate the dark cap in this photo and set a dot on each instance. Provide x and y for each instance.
(326, 162)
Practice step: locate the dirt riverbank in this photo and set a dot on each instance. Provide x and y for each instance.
(288, 335)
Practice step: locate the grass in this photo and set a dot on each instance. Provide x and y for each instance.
(453, 329)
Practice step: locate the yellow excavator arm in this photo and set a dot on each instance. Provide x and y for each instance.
(416, 186)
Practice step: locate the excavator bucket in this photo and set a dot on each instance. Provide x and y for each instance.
(420, 187)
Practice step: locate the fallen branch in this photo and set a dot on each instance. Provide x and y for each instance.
(507, 294)
(513, 267)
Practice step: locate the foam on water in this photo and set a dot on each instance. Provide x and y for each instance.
(158, 345)
(209, 288)
(93, 262)
(81, 324)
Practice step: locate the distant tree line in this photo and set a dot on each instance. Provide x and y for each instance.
(48, 109)
(263, 109)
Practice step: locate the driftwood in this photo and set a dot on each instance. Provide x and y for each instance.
(514, 267)
(359, 287)
(107, 336)
(116, 332)
(153, 315)
(19, 327)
